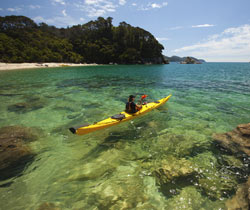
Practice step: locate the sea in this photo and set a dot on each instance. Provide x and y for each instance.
(166, 159)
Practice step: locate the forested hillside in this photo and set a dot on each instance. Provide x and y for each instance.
(22, 40)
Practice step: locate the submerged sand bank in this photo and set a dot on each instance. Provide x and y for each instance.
(15, 66)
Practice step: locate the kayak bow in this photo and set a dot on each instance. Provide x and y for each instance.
(117, 119)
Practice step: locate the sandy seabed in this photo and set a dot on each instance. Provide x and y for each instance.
(15, 66)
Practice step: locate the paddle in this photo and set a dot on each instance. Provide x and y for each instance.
(143, 97)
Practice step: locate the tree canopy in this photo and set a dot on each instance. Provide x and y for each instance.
(22, 40)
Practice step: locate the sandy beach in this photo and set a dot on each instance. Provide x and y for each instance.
(15, 66)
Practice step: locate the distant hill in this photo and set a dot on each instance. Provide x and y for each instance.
(181, 59)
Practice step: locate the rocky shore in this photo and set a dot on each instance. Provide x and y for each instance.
(237, 142)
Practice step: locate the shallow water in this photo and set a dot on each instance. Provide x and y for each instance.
(117, 168)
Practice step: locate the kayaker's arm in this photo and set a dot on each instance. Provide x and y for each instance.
(138, 107)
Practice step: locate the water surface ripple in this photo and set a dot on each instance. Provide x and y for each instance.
(163, 160)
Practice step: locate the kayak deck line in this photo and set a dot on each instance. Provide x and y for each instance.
(118, 118)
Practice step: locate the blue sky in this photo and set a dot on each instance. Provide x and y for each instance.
(215, 30)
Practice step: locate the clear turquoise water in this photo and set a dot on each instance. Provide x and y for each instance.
(115, 168)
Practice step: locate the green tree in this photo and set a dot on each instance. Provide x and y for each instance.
(22, 40)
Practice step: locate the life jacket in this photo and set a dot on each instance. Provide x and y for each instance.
(131, 107)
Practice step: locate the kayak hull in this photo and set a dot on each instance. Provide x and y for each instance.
(82, 130)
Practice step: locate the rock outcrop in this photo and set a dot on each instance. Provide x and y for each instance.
(181, 59)
(241, 200)
(238, 143)
(190, 60)
(14, 152)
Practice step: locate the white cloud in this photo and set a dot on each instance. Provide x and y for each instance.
(93, 12)
(134, 4)
(59, 21)
(92, 1)
(233, 44)
(203, 26)
(34, 6)
(64, 13)
(39, 19)
(162, 39)
(176, 28)
(82, 19)
(194, 26)
(153, 6)
(58, 2)
(11, 9)
(122, 2)
(95, 8)
(16, 9)
(1, 9)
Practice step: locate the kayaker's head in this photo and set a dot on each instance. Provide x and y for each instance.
(131, 98)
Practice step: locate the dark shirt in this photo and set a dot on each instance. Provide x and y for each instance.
(131, 107)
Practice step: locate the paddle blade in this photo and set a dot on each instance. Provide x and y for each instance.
(144, 96)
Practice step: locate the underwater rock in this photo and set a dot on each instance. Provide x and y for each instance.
(14, 153)
(48, 206)
(182, 143)
(110, 182)
(18, 107)
(236, 141)
(84, 83)
(232, 161)
(123, 190)
(98, 163)
(92, 105)
(189, 198)
(9, 94)
(24, 107)
(241, 200)
(214, 180)
(72, 116)
(217, 187)
(244, 129)
(13, 157)
(18, 132)
(173, 168)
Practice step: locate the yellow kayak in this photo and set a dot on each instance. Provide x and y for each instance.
(117, 119)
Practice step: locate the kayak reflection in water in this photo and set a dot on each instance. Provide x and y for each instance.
(131, 106)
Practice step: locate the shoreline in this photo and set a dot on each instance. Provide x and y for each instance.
(20, 66)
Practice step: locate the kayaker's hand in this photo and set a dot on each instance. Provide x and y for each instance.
(138, 106)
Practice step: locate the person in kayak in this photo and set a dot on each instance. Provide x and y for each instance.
(131, 106)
